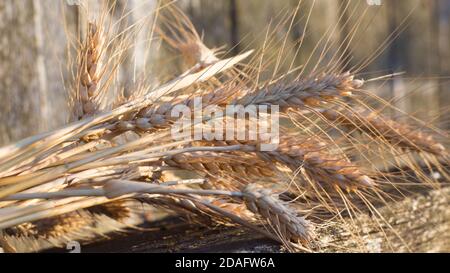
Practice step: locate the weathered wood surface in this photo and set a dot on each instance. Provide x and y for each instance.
(419, 223)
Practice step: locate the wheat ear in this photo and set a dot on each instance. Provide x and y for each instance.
(239, 164)
(159, 115)
(311, 91)
(311, 155)
(181, 35)
(90, 71)
(319, 164)
(82, 225)
(285, 220)
(288, 225)
(398, 135)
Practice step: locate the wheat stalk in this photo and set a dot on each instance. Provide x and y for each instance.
(23, 152)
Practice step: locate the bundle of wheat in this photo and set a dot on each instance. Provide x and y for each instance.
(55, 184)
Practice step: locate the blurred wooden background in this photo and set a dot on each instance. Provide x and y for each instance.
(34, 49)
